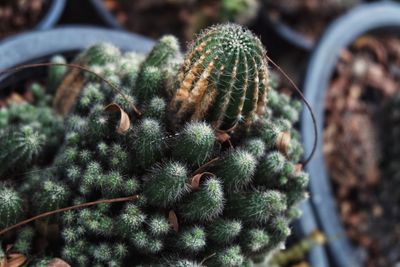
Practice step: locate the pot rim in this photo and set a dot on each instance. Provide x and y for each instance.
(37, 45)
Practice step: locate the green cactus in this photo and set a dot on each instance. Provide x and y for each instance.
(50, 196)
(224, 79)
(167, 184)
(205, 204)
(195, 143)
(257, 206)
(236, 169)
(20, 147)
(23, 243)
(29, 134)
(55, 73)
(254, 239)
(191, 240)
(151, 75)
(229, 257)
(224, 231)
(156, 108)
(11, 206)
(101, 54)
(148, 142)
(203, 200)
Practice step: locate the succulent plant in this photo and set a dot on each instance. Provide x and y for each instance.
(223, 80)
(29, 133)
(202, 199)
(11, 206)
(55, 73)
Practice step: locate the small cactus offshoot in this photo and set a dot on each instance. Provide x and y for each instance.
(11, 206)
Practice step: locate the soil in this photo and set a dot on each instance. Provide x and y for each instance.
(19, 15)
(367, 74)
(308, 17)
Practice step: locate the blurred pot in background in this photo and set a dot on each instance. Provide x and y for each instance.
(19, 15)
(301, 22)
(182, 18)
(352, 74)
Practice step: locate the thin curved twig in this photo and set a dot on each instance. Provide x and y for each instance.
(303, 98)
(83, 68)
(78, 206)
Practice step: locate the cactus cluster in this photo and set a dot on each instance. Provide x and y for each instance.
(29, 133)
(203, 199)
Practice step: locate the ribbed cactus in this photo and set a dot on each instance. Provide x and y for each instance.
(203, 199)
(223, 80)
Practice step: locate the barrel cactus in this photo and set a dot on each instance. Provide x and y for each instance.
(224, 79)
(214, 166)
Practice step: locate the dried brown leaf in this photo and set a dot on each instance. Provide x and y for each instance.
(374, 45)
(68, 91)
(124, 121)
(195, 180)
(15, 98)
(298, 168)
(15, 260)
(282, 142)
(222, 137)
(173, 220)
(57, 262)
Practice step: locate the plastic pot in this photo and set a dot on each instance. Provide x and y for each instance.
(303, 227)
(52, 15)
(292, 36)
(40, 46)
(384, 16)
(106, 15)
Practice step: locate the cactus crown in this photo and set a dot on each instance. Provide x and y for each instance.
(224, 78)
(199, 196)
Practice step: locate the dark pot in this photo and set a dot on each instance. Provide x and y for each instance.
(303, 227)
(52, 15)
(366, 18)
(40, 46)
(106, 15)
(292, 36)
